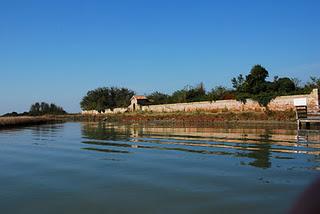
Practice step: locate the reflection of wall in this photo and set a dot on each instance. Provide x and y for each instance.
(256, 147)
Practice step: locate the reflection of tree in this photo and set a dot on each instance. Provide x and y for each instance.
(46, 131)
(262, 154)
(101, 132)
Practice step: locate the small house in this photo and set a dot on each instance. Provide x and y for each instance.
(137, 101)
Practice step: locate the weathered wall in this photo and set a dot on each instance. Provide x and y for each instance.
(286, 102)
(90, 112)
(219, 105)
(107, 111)
(281, 103)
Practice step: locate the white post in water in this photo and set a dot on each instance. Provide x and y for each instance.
(299, 102)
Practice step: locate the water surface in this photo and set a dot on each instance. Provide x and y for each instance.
(111, 168)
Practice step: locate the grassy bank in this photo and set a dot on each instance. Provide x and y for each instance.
(194, 117)
(6, 122)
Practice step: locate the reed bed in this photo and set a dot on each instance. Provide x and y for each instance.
(24, 120)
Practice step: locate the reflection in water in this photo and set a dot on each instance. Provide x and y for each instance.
(46, 132)
(262, 155)
(259, 144)
(106, 150)
(95, 167)
(151, 147)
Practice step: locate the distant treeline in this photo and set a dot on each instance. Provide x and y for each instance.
(39, 109)
(252, 86)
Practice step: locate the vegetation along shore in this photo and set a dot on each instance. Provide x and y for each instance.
(6, 122)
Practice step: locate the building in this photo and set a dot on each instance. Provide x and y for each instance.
(137, 101)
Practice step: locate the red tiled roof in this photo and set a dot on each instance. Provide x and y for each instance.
(139, 97)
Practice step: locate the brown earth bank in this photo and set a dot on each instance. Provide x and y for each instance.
(194, 117)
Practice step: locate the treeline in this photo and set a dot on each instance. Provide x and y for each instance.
(39, 109)
(252, 86)
(44, 108)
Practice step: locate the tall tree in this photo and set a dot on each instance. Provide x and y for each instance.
(254, 86)
(106, 98)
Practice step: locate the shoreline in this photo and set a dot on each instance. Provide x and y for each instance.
(177, 118)
(197, 116)
(193, 119)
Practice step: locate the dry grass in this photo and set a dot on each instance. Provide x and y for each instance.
(196, 116)
(25, 120)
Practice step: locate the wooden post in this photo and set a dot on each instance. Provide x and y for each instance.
(308, 125)
(299, 124)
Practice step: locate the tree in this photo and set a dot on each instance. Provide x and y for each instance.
(313, 83)
(103, 98)
(220, 93)
(189, 94)
(255, 82)
(238, 82)
(284, 85)
(179, 96)
(197, 93)
(296, 82)
(254, 86)
(158, 98)
(45, 108)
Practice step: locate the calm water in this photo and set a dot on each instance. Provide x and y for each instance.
(109, 168)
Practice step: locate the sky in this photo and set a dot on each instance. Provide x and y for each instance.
(57, 50)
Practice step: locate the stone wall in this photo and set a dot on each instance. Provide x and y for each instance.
(107, 111)
(286, 102)
(281, 103)
(89, 112)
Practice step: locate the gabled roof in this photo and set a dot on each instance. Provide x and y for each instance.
(139, 97)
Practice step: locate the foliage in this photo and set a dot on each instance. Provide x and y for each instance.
(189, 94)
(45, 108)
(237, 82)
(255, 82)
(12, 114)
(104, 98)
(179, 96)
(313, 83)
(194, 94)
(15, 114)
(284, 85)
(220, 93)
(256, 87)
(158, 98)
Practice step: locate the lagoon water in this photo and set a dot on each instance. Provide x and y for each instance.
(112, 168)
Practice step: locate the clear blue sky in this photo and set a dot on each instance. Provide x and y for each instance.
(57, 50)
